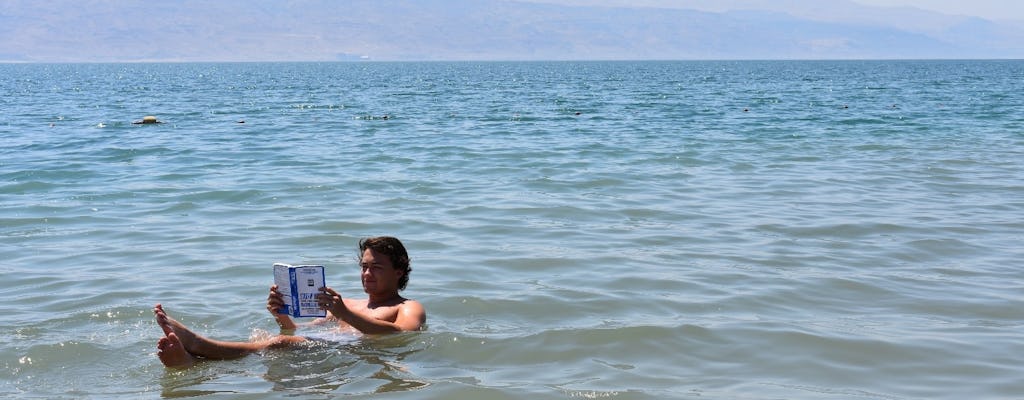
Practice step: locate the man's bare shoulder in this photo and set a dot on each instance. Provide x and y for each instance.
(410, 303)
(411, 306)
(411, 316)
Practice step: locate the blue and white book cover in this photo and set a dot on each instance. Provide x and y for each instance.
(299, 284)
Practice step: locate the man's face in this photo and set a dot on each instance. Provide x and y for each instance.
(379, 275)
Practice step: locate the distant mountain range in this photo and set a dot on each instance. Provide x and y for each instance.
(329, 30)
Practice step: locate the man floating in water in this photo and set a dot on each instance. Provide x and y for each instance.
(149, 119)
(385, 271)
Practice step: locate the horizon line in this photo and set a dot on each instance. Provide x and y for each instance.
(171, 61)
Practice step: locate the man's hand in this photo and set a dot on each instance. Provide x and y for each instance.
(330, 300)
(275, 302)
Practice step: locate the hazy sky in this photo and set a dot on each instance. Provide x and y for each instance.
(992, 9)
(60, 31)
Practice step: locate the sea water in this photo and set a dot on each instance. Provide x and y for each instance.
(717, 229)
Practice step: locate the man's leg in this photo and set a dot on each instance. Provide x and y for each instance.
(200, 346)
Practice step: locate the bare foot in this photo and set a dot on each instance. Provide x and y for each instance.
(186, 337)
(172, 353)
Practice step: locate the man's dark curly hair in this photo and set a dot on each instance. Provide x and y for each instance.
(392, 248)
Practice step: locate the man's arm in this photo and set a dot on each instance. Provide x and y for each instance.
(411, 316)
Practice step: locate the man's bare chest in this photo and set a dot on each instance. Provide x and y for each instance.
(381, 313)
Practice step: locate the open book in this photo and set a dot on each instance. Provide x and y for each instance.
(300, 284)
